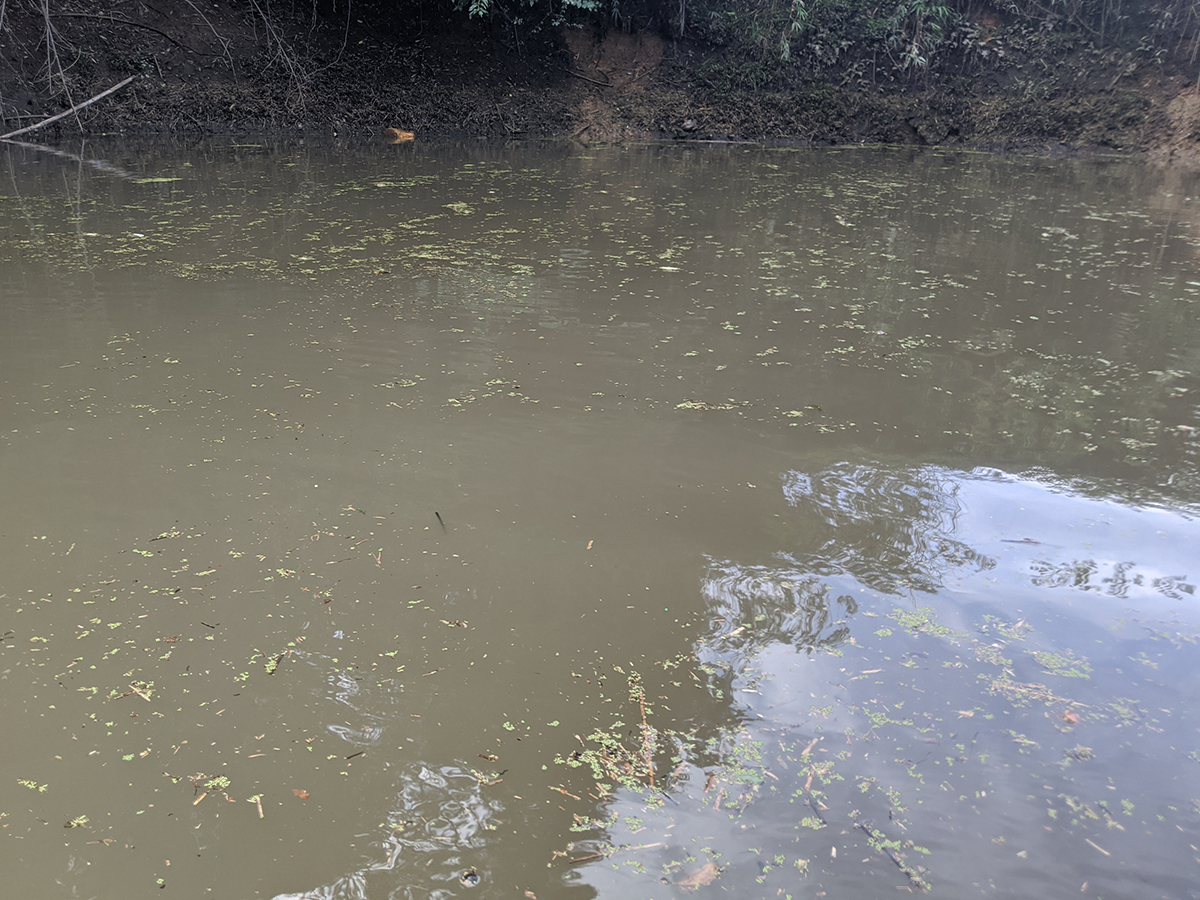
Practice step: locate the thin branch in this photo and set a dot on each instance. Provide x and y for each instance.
(283, 52)
(585, 78)
(74, 109)
(224, 42)
(345, 34)
(52, 58)
(345, 31)
(115, 21)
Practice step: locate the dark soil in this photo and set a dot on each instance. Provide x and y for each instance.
(208, 67)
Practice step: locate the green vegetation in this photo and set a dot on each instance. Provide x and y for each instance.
(766, 42)
(857, 37)
(1064, 663)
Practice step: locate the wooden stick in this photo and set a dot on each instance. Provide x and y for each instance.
(72, 110)
(585, 78)
(573, 862)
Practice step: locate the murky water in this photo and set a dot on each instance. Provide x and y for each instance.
(450, 521)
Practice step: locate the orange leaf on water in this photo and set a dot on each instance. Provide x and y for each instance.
(303, 795)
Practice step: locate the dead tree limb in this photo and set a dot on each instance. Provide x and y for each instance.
(585, 78)
(74, 109)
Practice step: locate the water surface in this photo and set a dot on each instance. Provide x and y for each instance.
(438, 521)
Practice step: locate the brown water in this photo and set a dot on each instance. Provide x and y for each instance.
(444, 521)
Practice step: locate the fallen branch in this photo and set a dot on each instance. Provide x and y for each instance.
(585, 78)
(71, 111)
(878, 840)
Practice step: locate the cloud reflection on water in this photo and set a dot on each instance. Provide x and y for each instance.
(915, 674)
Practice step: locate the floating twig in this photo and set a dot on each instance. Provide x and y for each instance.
(817, 811)
(583, 859)
(637, 690)
(878, 840)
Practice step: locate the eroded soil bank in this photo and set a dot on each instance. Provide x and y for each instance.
(226, 67)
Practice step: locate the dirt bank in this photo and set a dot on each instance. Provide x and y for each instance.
(227, 68)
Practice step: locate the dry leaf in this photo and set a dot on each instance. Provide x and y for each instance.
(706, 874)
(303, 795)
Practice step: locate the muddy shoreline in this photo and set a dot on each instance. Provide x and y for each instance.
(223, 76)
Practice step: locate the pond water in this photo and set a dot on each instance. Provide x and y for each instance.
(534, 521)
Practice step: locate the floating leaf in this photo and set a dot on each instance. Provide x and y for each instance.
(706, 874)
